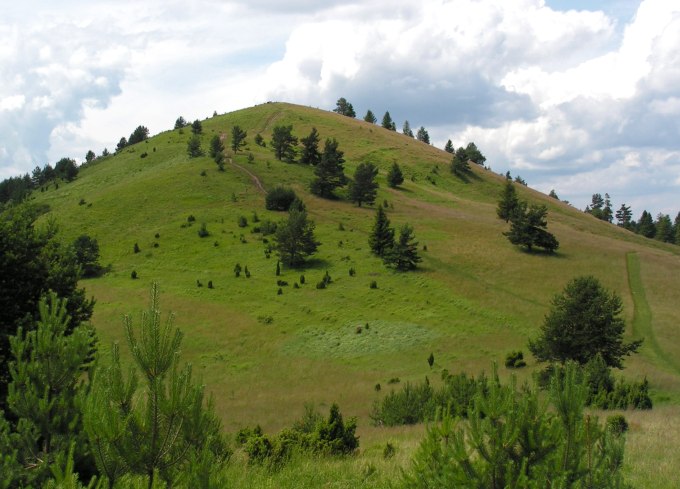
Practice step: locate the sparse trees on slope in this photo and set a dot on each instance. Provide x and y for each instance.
(406, 129)
(283, 143)
(238, 138)
(508, 202)
(423, 135)
(329, 172)
(370, 117)
(528, 228)
(156, 432)
(364, 188)
(89, 157)
(197, 127)
(343, 107)
(395, 177)
(294, 238)
(194, 149)
(449, 147)
(388, 123)
(310, 154)
(140, 134)
(180, 123)
(585, 319)
(381, 238)
(121, 145)
(553, 194)
(67, 169)
(404, 254)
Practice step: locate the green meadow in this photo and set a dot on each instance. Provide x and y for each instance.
(262, 355)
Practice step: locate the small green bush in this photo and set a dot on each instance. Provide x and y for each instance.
(267, 227)
(302, 279)
(389, 451)
(281, 283)
(247, 272)
(279, 198)
(352, 272)
(135, 248)
(242, 221)
(191, 218)
(210, 284)
(280, 291)
(515, 359)
(133, 275)
(617, 424)
(203, 231)
(374, 284)
(237, 270)
(321, 285)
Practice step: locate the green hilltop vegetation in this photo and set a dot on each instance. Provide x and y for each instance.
(264, 354)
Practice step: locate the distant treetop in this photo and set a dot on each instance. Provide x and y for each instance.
(343, 107)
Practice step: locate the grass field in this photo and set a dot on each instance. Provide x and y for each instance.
(264, 355)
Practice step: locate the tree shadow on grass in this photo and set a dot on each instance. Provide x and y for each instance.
(311, 264)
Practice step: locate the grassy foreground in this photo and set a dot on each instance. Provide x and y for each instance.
(264, 355)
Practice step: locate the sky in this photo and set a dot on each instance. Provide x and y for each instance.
(579, 96)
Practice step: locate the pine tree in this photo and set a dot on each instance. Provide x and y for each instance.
(607, 212)
(387, 122)
(459, 163)
(624, 216)
(364, 188)
(180, 122)
(508, 202)
(404, 254)
(283, 143)
(156, 432)
(449, 147)
(423, 135)
(197, 127)
(473, 154)
(238, 138)
(294, 238)
(43, 394)
(329, 172)
(194, 147)
(553, 194)
(394, 176)
(310, 154)
(528, 228)
(406, 129)
(646, 225)
(664, 228)
(216, 147)
(381, 238)
(343, 107)
(370, 117)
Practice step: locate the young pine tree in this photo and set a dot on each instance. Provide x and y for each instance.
(330, 171)
(364, 188)
(155, 432)
(394, 176)
(238, 138)
(404, 254)
(508, 202)
(381, 238)
(310, 154)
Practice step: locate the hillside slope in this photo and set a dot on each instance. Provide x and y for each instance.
(264, 355)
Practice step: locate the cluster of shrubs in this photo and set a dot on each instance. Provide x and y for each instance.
(515, 359)
(325, 281)
(280, 198)
(312, 434)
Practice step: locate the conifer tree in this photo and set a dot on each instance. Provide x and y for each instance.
(364, 188)
(387, 122)
(459, 163)
(404, 254)
(624, 216)
(153, 433)
(406, 129)
(528, 228)
(197, 127)
(216, 146)
(381, 238)
(194, 149)
(370, 117)
(294, 239)
(310, 149)
(238, 138)
(508, 202)
(423, 135)
(473, 154)
(646, 225)
(449, 147)
(394, 176)
(283, 143)
(330, 171)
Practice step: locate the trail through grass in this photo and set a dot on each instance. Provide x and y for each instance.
(642, 317)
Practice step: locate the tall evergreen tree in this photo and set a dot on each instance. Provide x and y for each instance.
(404, 254)
(216, 146)
(645, 225)
(664, 228)
(89, 157)
(423, 135)
(395, 177)
(387, 122)
(370, 117)
(364, 188)
(197, 127)
(624, 216)
(508, 202)
(381, 238)
(141, 133)
(294, 238)
(553, 194)
(473, 154)
(283, 143)
(194, 149)
(406, 129)
(238, 138)
(343, 107)
(180, 123)
(330, 171)
(121, 145)
(607, 212)
(676, 227)
(158, 431)
(310, 154)
(449, 147)
(528, 228)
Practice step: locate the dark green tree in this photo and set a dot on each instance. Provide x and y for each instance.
(528, 228)
(553, 194)
(67, 169)
(141, 133)
(283, 143)
(216, 147)
(89, 158)
(180, 123)
(343, 107)
(370, 117)
(474, 155)
(403, 255)
(585, 319)
(449, 147)
(330, 171)
(664, 229)
(197, 127)
(310, 154)
(676, 226)
(459, 163)
(87, 255)
(194, 149)
(381, 239)
(394, 176)
(423, 136)
(624, 216)
(508, 202)
(157, 431)
(238, 138)
(406, 129)
(121, 145)
(364, 188)
(44, 394)
(294, 238)
(387, 122)
(645, 225)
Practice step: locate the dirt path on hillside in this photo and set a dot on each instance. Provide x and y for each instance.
(256, 180)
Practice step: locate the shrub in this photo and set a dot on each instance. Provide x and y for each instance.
(280, 291)
(327, 278)
(352, 272)
(268, 227)
(82, 202)
(321, 285)
(281, 283)
(259, 140)
(296, 286)
(157, 235)
(280, 198)
(247, 272)
(191, 218)
(203, 231)
(255, 217)
(302, 279)
(237, 270)
(199, 283)
(389, 451)
(617, 424)
(374, 284)
(135, 248)
(242, 221)
(430, 360)
(156, 245)
(515, 359)
(133, 275)
(210, 284)
(278, 268)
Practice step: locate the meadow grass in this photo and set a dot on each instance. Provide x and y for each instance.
(262, 356)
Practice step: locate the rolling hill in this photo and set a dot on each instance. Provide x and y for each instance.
(474, 298)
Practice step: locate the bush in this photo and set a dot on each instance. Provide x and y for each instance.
(267, 227)
(321, 285)
(617, 424)
(374, 284)
(515, 359)
(191, 218)
(135, 248)
(242, 221)
(237, 270)
(247, 272)
(389, 451)
(352, 272)
(302, 279)
(203, 231)
(281, 283)
(210, 284)
(280, 291)
(133, 275)
(280, 198)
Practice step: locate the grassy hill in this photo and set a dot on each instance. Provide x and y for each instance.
(263, 355)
